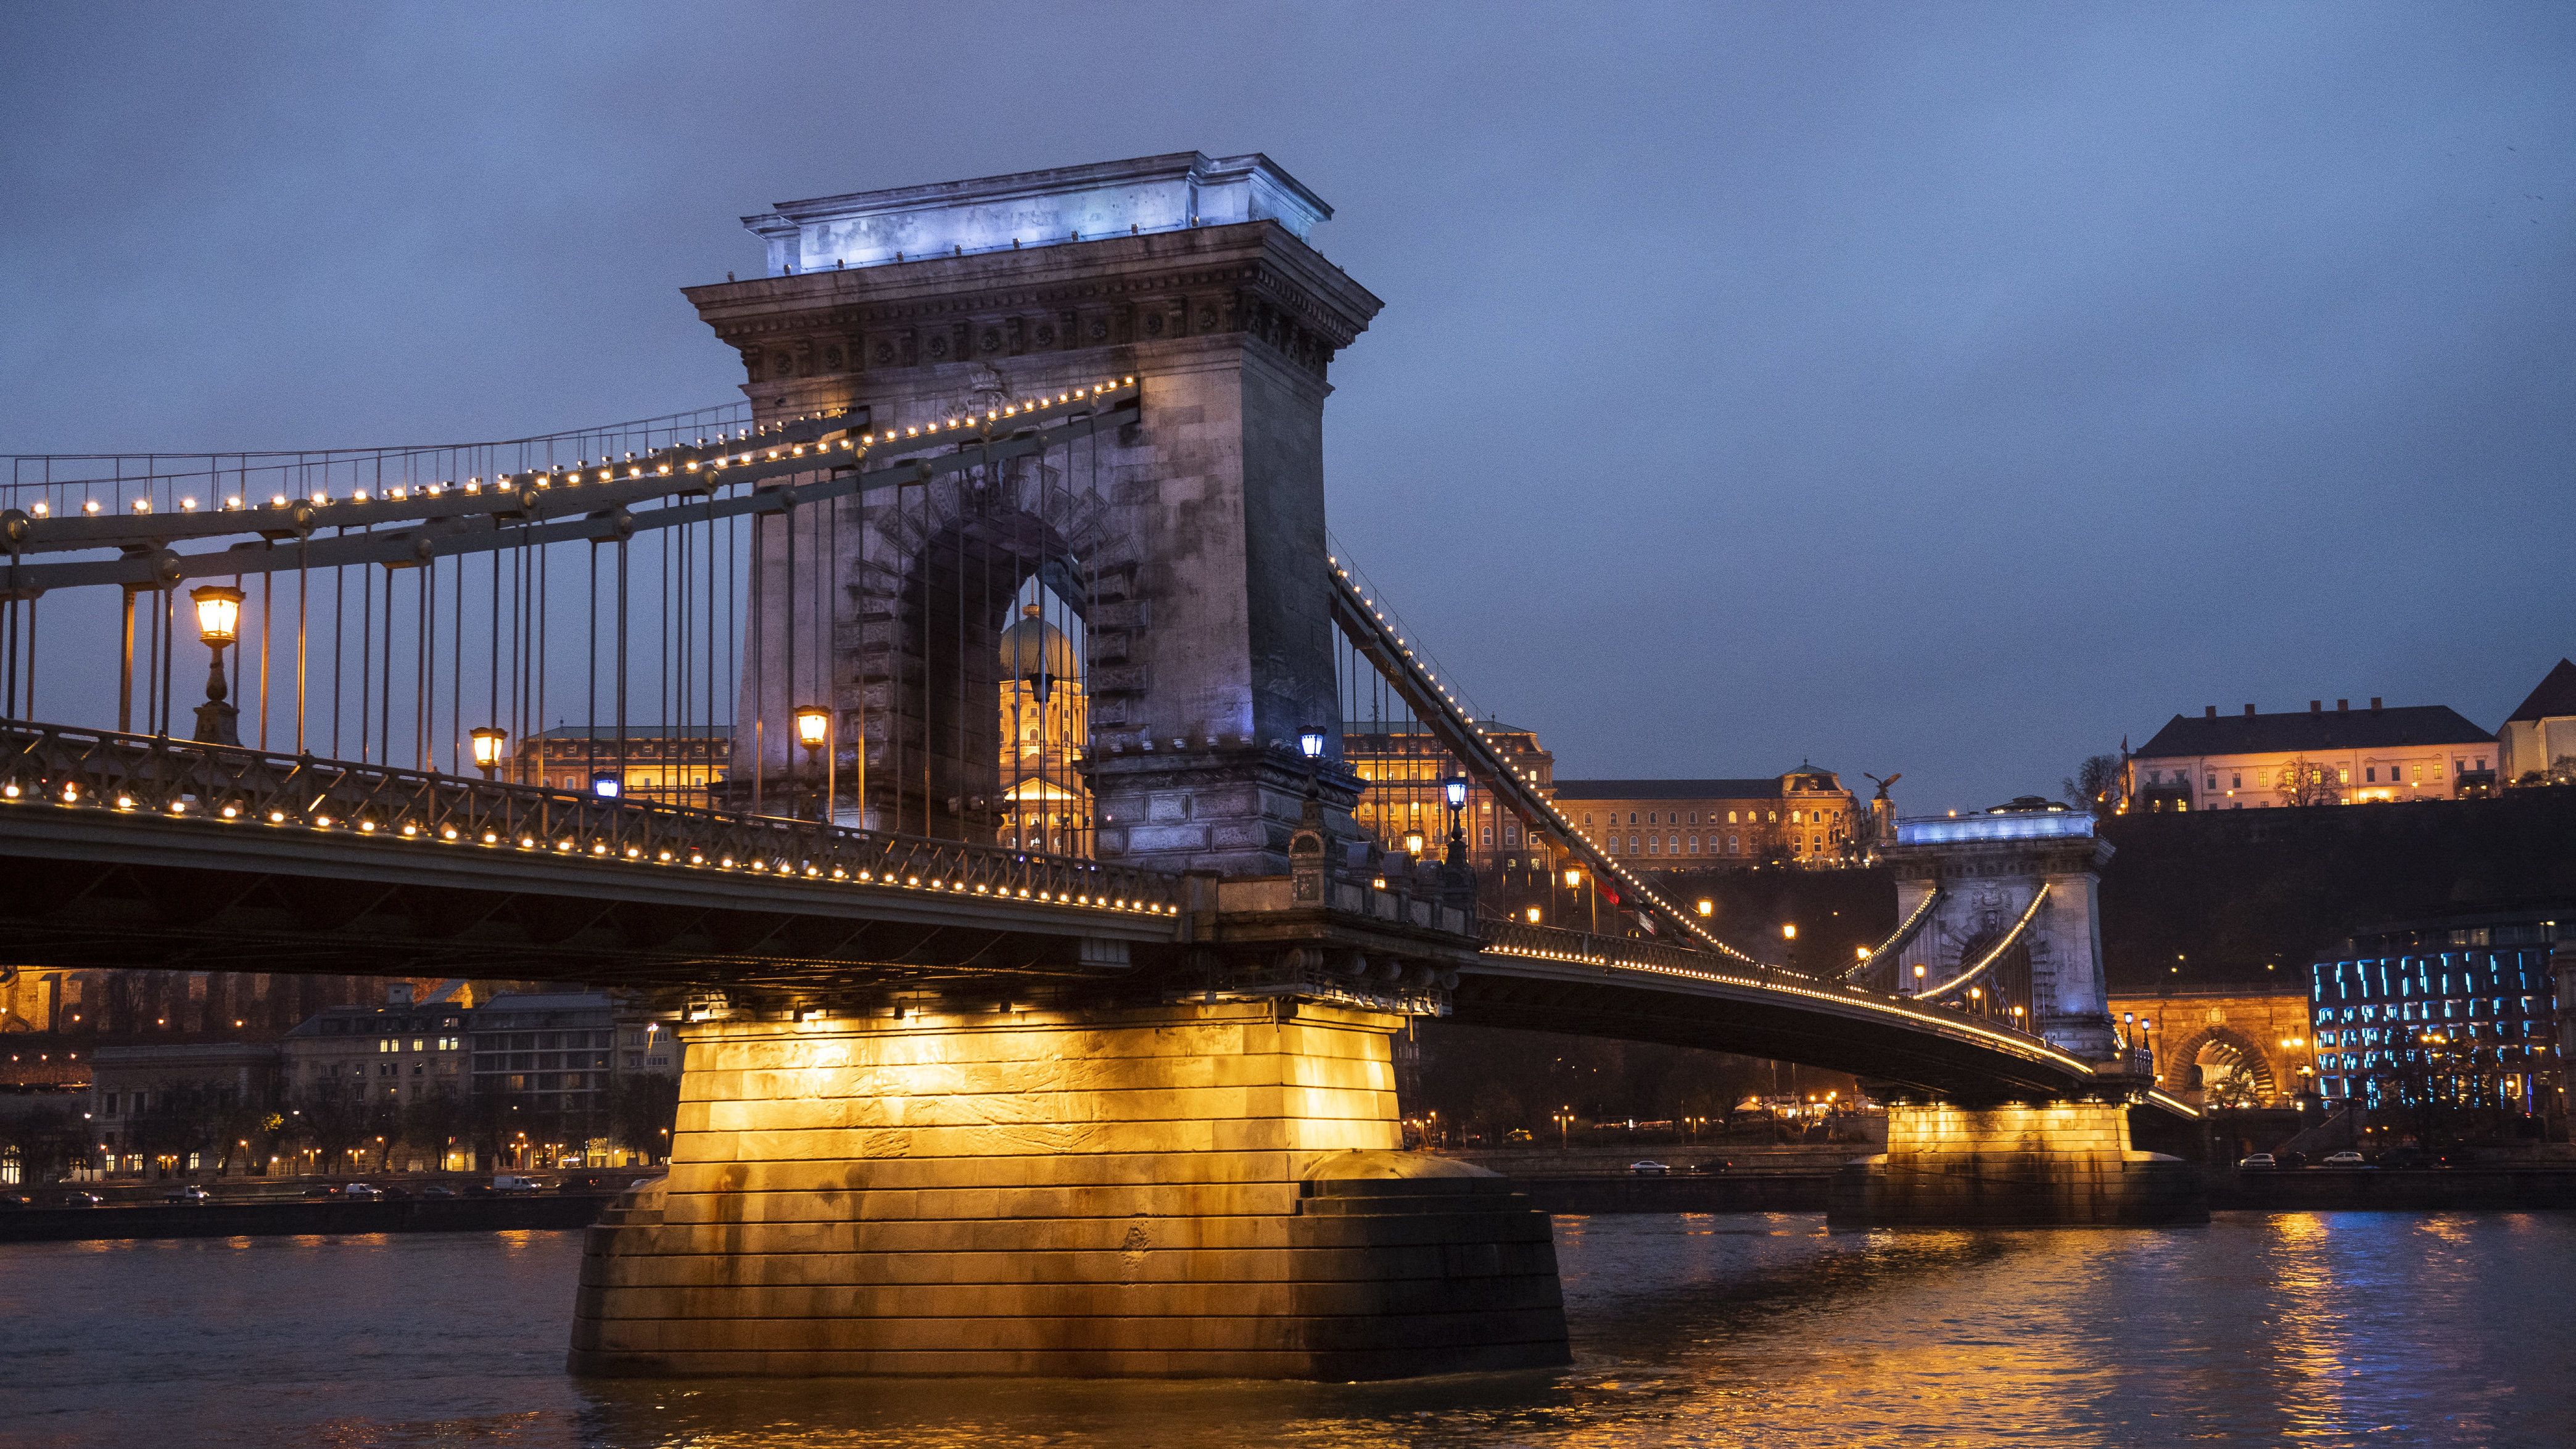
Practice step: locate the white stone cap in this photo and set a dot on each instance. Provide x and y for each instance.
(2010, 825)
(1034, 209)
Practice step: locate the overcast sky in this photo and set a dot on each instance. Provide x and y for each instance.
(1947, 389)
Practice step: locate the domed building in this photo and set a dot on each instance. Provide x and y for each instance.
(1045, 722)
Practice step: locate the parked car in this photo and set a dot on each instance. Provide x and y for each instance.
(1517, 1134)
(14, 1200)
(191, 1194)
(1713, 1164)
(438, 1189)
(323, 1189)
(361, 1191)
(82, 1199)
(508, 1182)
(2257, 1162)
(2346, 1158)
(1649, 1169)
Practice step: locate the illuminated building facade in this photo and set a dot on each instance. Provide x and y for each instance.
(1401, 806)
(2342, 756)
(2537, 745)
(1046, 724)
(2460, 1011)
(659, 763)
(1804, 815)
(380, 1055)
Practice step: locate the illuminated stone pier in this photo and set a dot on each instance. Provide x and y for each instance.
(2009, 927)
(1171, 1191)
(2057, 1163)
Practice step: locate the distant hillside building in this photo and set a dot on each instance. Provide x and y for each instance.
(2342, 756)
(1404, 766)
(1803, 815)
(2538, 742)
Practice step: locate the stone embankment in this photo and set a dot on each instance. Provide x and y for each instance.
(262, 1219)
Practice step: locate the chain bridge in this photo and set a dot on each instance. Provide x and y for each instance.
(948, 736)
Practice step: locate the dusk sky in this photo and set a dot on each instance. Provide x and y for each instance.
(1947, 389)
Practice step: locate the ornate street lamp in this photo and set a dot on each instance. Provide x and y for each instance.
(1310, 742)
(218, 624)
(488, 740)
(814, 732)
(1454, 790)
(606, 785)
(1413, 842)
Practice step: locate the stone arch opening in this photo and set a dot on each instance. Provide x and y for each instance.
(951, 567)
(2226, 1067)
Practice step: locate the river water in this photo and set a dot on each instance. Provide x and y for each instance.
(2309, 1329)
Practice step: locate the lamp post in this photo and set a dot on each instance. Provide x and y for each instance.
(1454, 790)
(606, 785)
(814, 732)
(488, 740)
(1591, 902)
(218, 624)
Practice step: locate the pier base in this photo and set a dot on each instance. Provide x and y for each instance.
(2058, 1164)
(1171, 1191)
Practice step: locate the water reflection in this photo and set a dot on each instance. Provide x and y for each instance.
(2296, 1328)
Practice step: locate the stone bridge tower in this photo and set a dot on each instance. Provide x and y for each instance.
(1190, 546)
(1989, 869)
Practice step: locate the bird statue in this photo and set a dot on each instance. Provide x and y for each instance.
(1882, 784)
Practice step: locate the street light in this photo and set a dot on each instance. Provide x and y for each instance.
(606, 785)
(1533, 915)
(1413, 842)
(814, 732)
(1310, 742)
(218, 624)
(488, 740)
(1706, 907)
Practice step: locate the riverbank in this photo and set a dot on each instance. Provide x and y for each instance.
(2467, 1189)
(267, 1219)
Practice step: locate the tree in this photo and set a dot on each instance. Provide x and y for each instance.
(2099, 784)
(2305, 782)
(642, 1108)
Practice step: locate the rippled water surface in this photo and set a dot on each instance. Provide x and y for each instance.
(2306, 1329)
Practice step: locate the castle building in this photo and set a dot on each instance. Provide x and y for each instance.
(1803, 815)
(2340, 757)
(2537, 745)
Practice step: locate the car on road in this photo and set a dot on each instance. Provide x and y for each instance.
(438, 1189)
(1649, 1169)
(2257, 1162)
(2343, 1159)
(83, 1199)
(1713, 1164)
(14, 1200)
(190, 1194)
(358, 1191)
(323, 1189)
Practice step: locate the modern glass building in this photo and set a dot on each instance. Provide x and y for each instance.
(2458, 1011)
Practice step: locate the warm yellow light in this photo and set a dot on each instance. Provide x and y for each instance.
(812, 725)
(1413, 842)
(1788, 931)
(1573, 878)
(218, 612)
(1533, 915)
(1707, 907)
(487, 745)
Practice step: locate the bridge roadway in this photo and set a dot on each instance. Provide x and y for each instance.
(135, 851)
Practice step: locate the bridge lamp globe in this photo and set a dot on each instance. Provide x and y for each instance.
(606, 785)
(1533, 915)
(1705, 907)
(218, 614)
(1310, 742)
(813, 726)
(1413, 842)
(1789, 931)
(488, 740)
(1573, 878)
(1455, 789)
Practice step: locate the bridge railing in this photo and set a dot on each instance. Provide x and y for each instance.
(1552, 943)
(150, 777)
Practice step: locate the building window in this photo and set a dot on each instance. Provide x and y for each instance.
(2236, 782)
(1694, 845)
(1632, 845)
(1730, 845)
(1632, 817)
(2213, 782)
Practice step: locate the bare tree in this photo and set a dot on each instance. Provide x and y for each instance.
(2098, 785)
(2305, 782)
